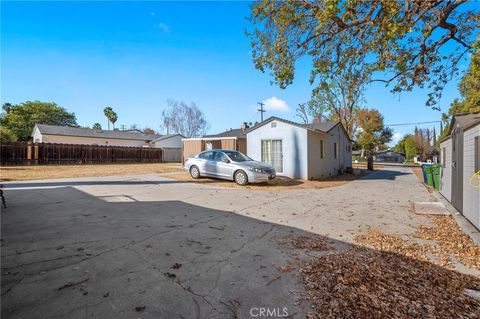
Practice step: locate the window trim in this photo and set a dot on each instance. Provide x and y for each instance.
(444, 157)
(335, 150)
(476, 154)
(322, 149)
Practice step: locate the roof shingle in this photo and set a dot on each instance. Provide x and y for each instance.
(87, 132)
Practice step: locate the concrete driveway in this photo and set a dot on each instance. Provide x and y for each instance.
(149, 247)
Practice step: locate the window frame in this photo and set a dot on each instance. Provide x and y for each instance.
(444, 157)
(476, 154)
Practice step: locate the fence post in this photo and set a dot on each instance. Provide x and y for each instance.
(35, 153)
(29, 152)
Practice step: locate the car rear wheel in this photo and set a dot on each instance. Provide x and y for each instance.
(241, 178)
(194, 172)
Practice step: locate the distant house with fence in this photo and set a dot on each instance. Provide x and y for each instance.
(43, 133)
(53, 134)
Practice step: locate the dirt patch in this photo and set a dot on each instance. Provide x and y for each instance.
(277, 183)
(363, 165)
(448, 244)
(22, 173)
(363, 283)
(452, 240)
(419, 173)
(391, 243)
(315, 243)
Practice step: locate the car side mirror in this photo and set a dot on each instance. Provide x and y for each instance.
(226, 161)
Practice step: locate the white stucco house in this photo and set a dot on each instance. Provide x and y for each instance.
(460, 161)
(43, 133)
(307, 151)
(168, 141)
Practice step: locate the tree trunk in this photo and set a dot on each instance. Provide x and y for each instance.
(370, 163)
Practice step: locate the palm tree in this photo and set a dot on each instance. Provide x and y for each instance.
(108, 111)
(113, 119)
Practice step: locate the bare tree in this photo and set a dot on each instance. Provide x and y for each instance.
(184, 119)
(339, 98)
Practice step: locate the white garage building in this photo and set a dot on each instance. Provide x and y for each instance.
(460, 159)
(307, 151)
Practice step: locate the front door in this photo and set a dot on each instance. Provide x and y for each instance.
(457, 168)
(272, 154)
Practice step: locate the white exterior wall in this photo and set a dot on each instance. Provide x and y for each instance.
(471, 195)
(446, 171)
(294, 146)
(171, 142)
(37, 136)
(329, 165)
(86, 140)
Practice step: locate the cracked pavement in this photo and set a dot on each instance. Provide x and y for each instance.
(102, 246)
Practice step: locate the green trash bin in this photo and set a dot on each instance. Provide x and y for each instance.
(436, 175)
(427, 169)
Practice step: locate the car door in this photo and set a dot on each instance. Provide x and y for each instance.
(224, 168)
(204, 161)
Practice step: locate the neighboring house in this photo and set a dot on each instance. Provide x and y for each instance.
(168, 141)
(460, 160)
(43, 133)
(431, 156)
(389, 156)
(306, 151)
(233, 139)
(171, 146)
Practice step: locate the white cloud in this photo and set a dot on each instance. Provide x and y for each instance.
(396, 138)
(276, 104)
(164, 27)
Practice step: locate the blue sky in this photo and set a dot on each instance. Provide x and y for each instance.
(134, 56)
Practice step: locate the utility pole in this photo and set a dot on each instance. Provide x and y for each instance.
(261, 110)
(123, 127)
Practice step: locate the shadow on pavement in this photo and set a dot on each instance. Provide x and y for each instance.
(80, 256)
(385, 174)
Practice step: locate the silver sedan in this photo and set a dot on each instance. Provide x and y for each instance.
(231, 165)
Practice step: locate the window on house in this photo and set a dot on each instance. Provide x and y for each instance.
(444, 156)
(274, 124)
(335, 149)
(348, 148)
(272, 154)
(321, 149)
(477, 153)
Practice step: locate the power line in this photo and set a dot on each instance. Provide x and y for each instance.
(404, 124)
(261, 110)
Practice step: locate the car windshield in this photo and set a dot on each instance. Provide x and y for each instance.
(237, 156)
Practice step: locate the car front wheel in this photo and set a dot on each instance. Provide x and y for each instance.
(194, 172)
(241, 178)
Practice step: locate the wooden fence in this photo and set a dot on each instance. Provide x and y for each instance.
(19, 153)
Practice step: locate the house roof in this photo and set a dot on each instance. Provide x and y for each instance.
(238, 133)
(389, 151)
(465, 120)
(87, 132)
(324, 126)
(166, 137)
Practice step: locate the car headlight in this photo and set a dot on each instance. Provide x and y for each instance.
(256, 170)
